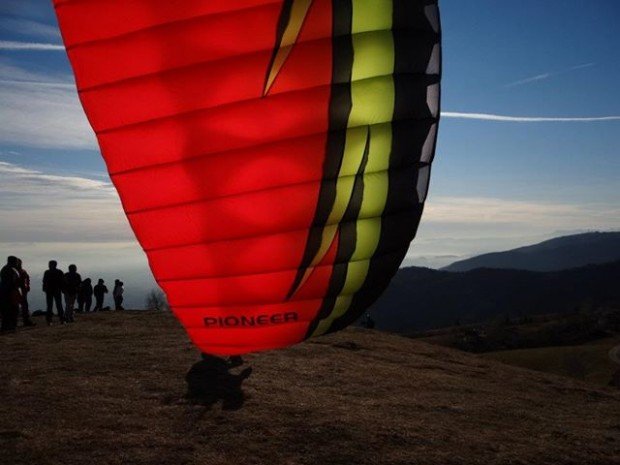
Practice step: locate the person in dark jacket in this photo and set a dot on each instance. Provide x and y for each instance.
(117, 293)
(10, 294)
(71, 287)
(100, 290)
(85, 296)
(53, 280)
(24, 285)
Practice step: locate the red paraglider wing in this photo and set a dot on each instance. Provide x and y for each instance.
(272, 156)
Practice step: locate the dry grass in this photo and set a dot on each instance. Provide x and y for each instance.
(110, 390)
(589, 362)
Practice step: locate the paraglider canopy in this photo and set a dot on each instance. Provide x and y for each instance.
(272, 157)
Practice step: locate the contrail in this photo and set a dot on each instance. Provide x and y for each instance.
(539, 77)
(550, 74)
(10, 45)
(525, 119)
(582, 66)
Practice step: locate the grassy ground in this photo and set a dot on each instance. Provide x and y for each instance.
(589, 362)
(110, 390)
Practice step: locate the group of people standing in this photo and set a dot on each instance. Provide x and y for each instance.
(15, 286)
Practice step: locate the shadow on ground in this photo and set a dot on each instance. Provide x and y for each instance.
(210, 380)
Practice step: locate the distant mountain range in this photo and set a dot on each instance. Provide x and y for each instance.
(552, 255)
(422, 298)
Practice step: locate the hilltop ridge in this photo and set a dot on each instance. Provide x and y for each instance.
(421, 298)
(551, 255)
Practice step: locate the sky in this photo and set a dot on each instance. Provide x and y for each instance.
(527, 149)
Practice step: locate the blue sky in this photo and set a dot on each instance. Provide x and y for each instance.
(497, 182)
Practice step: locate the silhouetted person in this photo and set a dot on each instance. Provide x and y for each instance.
(210, 380)
(53, 281)
(24, 286)
(85, 296)
(368, 322)
(71, 287)
(117, 293)
(100, 290)
(10, 294)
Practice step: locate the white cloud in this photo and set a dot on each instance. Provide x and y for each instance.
(527, 119)
(58, 85)
(465, 226)
(41, 111)
(39, 206)
(35, 46)
(16, 179)
(541, 215)
(30, 28)
(11, 72)
(14, 75)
